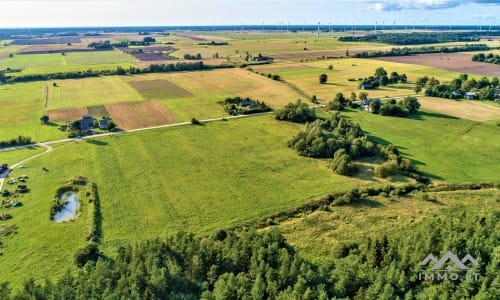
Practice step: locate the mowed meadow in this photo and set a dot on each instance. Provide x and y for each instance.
(194, 178)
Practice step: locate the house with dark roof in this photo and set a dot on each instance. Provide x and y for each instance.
(366, 103)
(86, 123)
(103, 123)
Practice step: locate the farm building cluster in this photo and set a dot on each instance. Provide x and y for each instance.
(87, 125)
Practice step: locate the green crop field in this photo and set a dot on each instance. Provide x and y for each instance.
(90, 91)
(320, 235)
(71, 61)
(195, 178)
(209, 87)
(22, 107)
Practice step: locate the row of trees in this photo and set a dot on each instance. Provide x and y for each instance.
(19, 141)
(483, 89)
(487, 58)
(188, 56)
(246, 264)
(420, 50)
(153, 68)
(146, 41)
(415, 38)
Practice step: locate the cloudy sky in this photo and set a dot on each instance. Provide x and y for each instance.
(47, 13)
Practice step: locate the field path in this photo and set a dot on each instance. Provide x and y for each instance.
(49, 148)
(46, 100)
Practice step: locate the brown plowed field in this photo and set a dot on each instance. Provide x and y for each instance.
(458, 62)
(66, 114)
(139, 114)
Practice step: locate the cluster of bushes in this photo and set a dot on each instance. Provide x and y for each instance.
(424, 49)
(408, 106)
(93, 224)
(415, 38)
(213, 43)
(381, 78)
(188, 56)
(243, 106)
(297, 112)
(322, 138)
(146, 41)
(19, 141)
(394, 164)
(246, 264)
(482, 89)
(487, 58)
(153, 68)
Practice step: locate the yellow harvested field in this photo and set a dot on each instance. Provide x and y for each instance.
(466, 109)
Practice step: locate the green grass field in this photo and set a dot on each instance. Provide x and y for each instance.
(320, 235)
(305, 75)
(71, 61)
(194, 178)
(22, 107)
(90, 91)
(443, 146)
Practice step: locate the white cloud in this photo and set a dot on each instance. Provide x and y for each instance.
(389, 5)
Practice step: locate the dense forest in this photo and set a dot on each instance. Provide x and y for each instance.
(417, 38)
(246, 264)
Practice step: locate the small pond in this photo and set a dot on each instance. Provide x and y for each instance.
(69, 210)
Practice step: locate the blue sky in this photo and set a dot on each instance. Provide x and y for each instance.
(42, 13)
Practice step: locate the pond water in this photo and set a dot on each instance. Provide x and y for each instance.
(69, 210)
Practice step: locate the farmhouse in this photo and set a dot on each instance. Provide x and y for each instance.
(86, 123)
(367, 86)
(103, 123)
(365, 104)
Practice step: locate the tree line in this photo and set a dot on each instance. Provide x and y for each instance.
(415, 38)
(146, 41)
(487, 58)
(245, 264)
(153, 68)
(420, 50)
(458, 88)
(19, 141)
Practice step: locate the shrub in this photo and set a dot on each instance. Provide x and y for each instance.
(89, 253)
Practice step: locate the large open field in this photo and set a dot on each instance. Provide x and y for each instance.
(228, 173)
(457, 62)
(195, 178)
(443, 146)
(71, 61)
(466, 109)
(21, 108)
